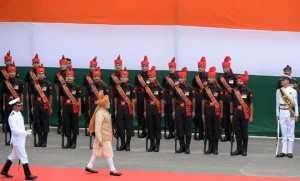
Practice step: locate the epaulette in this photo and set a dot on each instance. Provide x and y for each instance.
(12, 113)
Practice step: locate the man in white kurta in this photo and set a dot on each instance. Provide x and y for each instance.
(286, 116)
(18, 140)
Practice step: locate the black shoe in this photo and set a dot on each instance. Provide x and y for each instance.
(115, 173)
(143, 135)
(244, 153)
(120, 148)
(68, 145)
(237, 152)
(30, 177)
(216, 152)
(187, 151)
(44, 145)
(170, 136)
(200, 137)
(90, 170)
(181, 150)
(127, 148)
(225, 139)
(281, 155)
(6, 174)
(196, 137)
(208, 152)
(73, 146)
(152, 148)
(290, 155)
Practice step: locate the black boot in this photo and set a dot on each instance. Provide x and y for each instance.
(122, 147)
(152, 147)
(27, 173)
(127, 146)
(45, 137)
(187, 145)
(227, 135)
(157, 144)
(182, 145)
(245, 147)
(6, 168)
(170, 135)
(69, 142)
(143, 135)
(216, 144)
(40, 136)
(238, 150)
(210, 147)
(74, 140)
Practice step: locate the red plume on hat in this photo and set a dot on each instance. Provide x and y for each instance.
(152, 72)
(70, 72)
(94, 61)
(118, 60)
(226, 62)
(97, 72)
(244, 78)
(212, 72)
(36, 59)
(40, 69)
(183, 73)
(172, 63)
(7, 57)
(63, 60)
(124, 72)
(145, 62)
(12, 67)
(202, 62)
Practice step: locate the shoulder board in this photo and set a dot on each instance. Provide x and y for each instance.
(12, 113)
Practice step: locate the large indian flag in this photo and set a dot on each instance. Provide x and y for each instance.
(260, 36)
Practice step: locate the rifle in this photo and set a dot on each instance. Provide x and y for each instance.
(91, 137)
(34, 130)
(277, 139)
(165, 132)
(231, 139)
(204, 137)
(147, 136)
(195, 129)
(176, 136)
(5, 131)
(62, 133)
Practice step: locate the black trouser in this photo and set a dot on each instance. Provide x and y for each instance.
(125, 122)
(212, 122)
(59, 116)
(140, 109)
(183, 126)
(70, 121)
(226, 116)
(168, 108)
(241, 129)
(198, 114)
(153, 119)
(2, 112)
(41, 119)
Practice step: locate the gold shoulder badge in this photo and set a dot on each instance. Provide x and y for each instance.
(12, 113)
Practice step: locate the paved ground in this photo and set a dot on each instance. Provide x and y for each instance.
(259, 162)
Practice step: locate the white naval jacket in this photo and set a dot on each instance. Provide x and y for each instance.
(281, 109)
(19, 134)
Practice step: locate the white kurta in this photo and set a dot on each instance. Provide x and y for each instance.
(287, 125)
(18, 138)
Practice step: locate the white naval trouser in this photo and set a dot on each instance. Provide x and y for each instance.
(287, 127)
(18, 152)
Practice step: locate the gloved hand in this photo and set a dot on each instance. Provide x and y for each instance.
(29, 132)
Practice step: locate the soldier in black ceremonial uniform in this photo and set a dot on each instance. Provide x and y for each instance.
(114, 80)
(154, 110)
(59, 79)
(88, 80)
(124, 110)
(70, 99)
(241, 112)
(199, 82)
(293, 81)
(168, 83)
(4, 76)
(227, 81)
(12, 89)
(29, 78)
(212, 111)
(141, 80)
(183, 103)
(41, 96)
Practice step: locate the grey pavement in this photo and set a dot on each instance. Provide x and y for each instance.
(259, 162)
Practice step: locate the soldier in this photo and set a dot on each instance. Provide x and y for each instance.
(59, 79)
(183, 104)
(141, 80)
(154, 109)
(70, 99)
(227, 81)
(4, 76)
(13, 88)
(168, 83)
(114, 80)
(199, 82)
(241, 112)
(16, 123)
(293, 81)
(29, 78)
(69, 63)
(86, 82)
(287, 114)
(212, 111)
(124, 110)
(41, 95)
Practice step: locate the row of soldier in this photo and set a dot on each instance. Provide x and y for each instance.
(211, 103)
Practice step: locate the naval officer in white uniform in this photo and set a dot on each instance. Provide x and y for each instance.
(18, 140)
